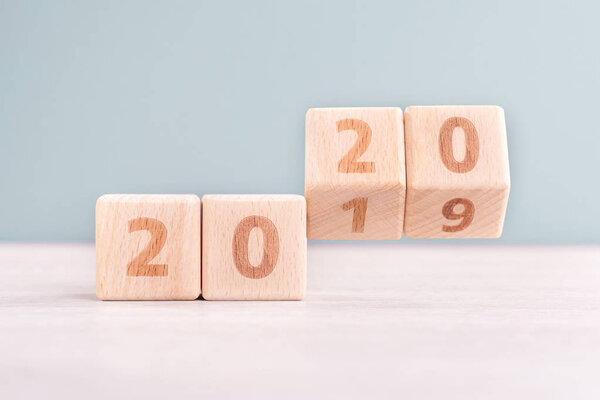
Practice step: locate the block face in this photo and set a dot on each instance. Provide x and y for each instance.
(253, 247)
(355, 179)
(148, 247)
(355, 212)
(458, 177)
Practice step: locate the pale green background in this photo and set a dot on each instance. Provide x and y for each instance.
(209, 97)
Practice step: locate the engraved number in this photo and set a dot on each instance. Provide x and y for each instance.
(359, 205)
(270, 247)
(466, 215)
(140, 266)
(471, 144)
(349, 163)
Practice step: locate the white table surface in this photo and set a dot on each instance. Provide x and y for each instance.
(386, 320)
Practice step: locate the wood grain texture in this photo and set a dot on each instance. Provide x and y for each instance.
(253, 247)
(457, 171)
(426, 321)
(148, 247)
(355, 153)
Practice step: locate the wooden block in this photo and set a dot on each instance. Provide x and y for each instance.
(457, 171)
(253, 247)
(148, 247)
(355, 181)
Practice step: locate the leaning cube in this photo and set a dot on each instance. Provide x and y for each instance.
(458, 178)
(253, 247)
(355, 180)
(148, 247)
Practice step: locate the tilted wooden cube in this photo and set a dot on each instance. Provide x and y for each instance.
(355, 179)
(458, 177)
(253, 247)
(148, 247)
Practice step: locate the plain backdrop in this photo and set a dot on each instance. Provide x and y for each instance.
(209, 97)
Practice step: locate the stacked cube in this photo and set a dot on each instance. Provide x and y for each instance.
(437, 172)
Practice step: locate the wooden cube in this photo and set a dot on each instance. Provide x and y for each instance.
(148, 247)
(458, 179)
(355, 181)
(253, 247)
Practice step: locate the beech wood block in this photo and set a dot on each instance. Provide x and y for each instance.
(253, 247)
(148, 247)
(355, 180)
(458, 178)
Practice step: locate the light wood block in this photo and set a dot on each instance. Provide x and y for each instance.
(458, 178)
(148, 247)
(253, 247)
(355, 180)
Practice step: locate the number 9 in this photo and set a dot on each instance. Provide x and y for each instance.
(466, 215)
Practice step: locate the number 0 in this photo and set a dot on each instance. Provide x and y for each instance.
(270, 247)
(471, 143)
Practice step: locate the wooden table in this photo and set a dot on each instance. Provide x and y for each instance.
(385, 320)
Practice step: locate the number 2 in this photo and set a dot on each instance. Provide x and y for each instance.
(140, 266)
(348, 163)
(359, 205)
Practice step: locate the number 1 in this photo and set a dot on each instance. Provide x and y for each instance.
(359, 205)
